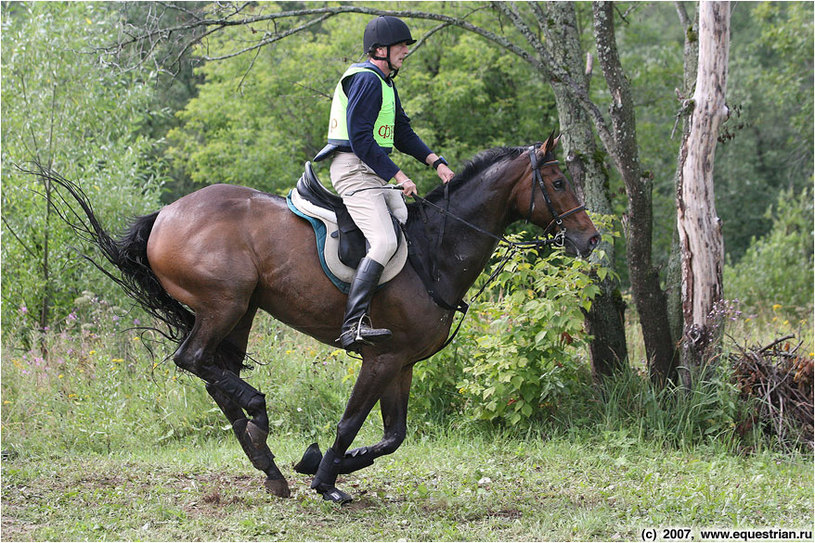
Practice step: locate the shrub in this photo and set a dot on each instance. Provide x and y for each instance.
(519, 355)
(778, 267)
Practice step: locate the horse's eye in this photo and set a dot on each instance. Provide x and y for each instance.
(559, 184)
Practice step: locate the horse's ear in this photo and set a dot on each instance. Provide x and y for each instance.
(550, 144)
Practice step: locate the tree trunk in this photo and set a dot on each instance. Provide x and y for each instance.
(700, 234)
(673, 275)
(648, 295)
(605, 320)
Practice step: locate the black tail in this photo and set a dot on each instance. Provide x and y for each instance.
(128, 253)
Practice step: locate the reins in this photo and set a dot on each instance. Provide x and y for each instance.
(558, 239)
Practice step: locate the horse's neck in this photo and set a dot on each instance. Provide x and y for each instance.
(465, 251)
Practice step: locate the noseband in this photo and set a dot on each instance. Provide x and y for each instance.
(537, 180)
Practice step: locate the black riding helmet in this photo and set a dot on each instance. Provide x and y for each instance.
(385, 31)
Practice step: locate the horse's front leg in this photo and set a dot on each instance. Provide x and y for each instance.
(393, 403)
(394, 406)
(377, 376)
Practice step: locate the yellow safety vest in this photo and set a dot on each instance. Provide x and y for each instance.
(385, 121)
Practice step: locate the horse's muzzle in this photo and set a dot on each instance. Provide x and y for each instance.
(577, 245)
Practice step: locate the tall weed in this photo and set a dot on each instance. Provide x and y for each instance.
(707, 412)
(521, 355)
(102, 383)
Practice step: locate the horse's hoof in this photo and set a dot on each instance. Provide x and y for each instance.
(278, 487)
(337, 496)
(310, 462)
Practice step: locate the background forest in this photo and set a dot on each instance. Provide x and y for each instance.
(143, 137)
(140, 123)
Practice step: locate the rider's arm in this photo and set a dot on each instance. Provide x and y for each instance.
(405, 139)
(364, 91)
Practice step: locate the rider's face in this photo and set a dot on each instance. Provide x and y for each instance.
(398, 53)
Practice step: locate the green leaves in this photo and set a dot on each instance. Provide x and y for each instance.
(778, 267)
(64, 108)
(521, 353)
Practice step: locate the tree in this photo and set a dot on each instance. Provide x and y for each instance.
(605, 319)
(700, 233)
(65, 110)
(621, 143)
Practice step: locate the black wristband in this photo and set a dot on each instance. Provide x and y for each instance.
(439, 161)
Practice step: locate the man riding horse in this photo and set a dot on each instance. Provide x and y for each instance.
(206, 263)
(367, 121)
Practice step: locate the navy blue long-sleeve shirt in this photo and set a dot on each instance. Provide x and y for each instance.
(364, 92)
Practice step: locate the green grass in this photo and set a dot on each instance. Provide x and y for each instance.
(449, 487)
(102, 442)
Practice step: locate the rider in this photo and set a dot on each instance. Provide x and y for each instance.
(367, 121)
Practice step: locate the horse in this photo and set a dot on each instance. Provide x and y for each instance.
(207, 262)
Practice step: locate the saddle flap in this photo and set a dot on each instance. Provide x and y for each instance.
(311, 198)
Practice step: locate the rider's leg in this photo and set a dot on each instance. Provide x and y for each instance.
(367, 204)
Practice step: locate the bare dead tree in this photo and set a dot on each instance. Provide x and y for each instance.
(700, 231)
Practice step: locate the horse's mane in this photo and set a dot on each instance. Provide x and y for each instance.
(476, 165)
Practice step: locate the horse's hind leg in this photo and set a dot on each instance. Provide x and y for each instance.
(254, 445)
(220, 370)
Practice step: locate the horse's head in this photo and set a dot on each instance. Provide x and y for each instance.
(544, 197)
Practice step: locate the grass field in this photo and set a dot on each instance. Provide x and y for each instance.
(102, 442)
(453, 487)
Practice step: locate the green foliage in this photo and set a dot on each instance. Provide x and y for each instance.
(769, 90)
(768, 139)
(520, 356)
(65, 109)
(259, 116)
(777, 268)
(527, 360)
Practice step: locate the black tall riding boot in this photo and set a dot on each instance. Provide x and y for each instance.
(356, 327)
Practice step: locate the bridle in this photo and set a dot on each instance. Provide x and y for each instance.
(558, 239)
(537, 179)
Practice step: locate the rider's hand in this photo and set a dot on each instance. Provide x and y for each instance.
(409, 188)
(445, 173)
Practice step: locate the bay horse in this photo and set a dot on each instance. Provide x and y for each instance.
(207, 262)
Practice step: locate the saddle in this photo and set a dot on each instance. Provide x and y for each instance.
(340, 243)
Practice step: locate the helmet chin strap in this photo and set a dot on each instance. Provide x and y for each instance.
(387, 58)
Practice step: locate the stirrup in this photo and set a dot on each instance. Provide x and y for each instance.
(362, 333)
(365, 332)
(350, 339)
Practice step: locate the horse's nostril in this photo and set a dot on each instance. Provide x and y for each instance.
(594, 241)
